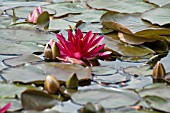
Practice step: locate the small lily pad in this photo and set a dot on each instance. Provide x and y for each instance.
(160, 3)
(134, 70)
(103, 70)
(107, 98)
(37, 73)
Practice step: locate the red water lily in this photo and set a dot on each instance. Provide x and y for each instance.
(33, 16)
(5, 108)
(79, 48)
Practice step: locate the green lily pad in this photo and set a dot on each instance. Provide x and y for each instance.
(37, 73)
(14, 61)
(158, 16)
(160, 3)
(122, 6)
(37, 100)
(2, 57)
(15, 104)
(22, 12)
(5, 22)
(10, 91)
(131, 24)
(114, 43)
(6, 4)
(134, 70)
(103, 70)
(58, 24)
(25, 36)
(15, 48)
(87, 16)
(107, 98)
(158, 103)
(65, 8)
(160, 90)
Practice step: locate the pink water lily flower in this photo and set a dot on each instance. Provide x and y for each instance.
(33, 16)
(80, 48)
(5, 108)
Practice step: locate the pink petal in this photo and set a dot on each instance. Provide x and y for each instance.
(96, 50)
(51, 42)
(86, 38)
(77, 55)
(96, 43)
(40, 9)
(105, 53)
(5, 108)
(74, 61)
(64, 50)
(70, 36)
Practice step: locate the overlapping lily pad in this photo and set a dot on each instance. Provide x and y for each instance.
(37, 73)
(22, 12)
(5, 22)
(107, 98)
(122, 6)
(66, 8)
(158, 2)
(158, 16)
(131, 24)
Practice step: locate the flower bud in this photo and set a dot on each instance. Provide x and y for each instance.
(72, 81)
(159, 71)
(51, 84)
(55, 50)
(47, 52)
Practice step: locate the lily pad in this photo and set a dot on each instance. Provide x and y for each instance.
(21, 60)
(158, 16)
(134, 70)
(65, 8)
(15, 104)
(103, 70)
(58, 24)
(37, 100)
(125, 49)
(25, 36)
(87, 16)
(156, 91)
(158, 103)
(22, 12)
(37, 73)
(122, 6)
(107, 98)
(160, 3)
(10, 91)
(5, 22)
(95, 27)
(131, 24)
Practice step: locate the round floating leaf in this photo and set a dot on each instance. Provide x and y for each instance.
(10, 91)
(131, 24)
(134, 70)
(122, 6)
(158, 2)
(161, 90)
(103, 70)
(15, 104)
(14, 61)
(125, 49)
(37, 73)
(22, 12)
(158, 103)
(66, 8)
(37, 100)
(160, 16)
(95, 27)
(6, 4)
(18, 48)
(2, 57)
(58, 24)
(107, 98)
(87, 16)
(5, 22)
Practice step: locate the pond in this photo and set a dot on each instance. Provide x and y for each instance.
(84, 56)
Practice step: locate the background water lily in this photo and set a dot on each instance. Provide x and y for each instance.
(33, 16)
(81, 48)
